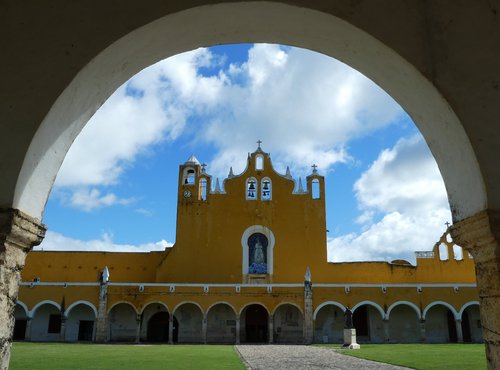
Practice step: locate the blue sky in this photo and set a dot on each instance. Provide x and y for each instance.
(116, 189)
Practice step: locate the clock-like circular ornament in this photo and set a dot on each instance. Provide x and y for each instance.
(187, 193)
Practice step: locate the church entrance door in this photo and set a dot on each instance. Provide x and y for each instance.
(158, 327)
(256, 319)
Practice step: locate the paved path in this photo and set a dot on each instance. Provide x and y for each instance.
(289, 357)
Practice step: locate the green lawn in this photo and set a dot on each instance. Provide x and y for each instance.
(425, 356)
(63, 356)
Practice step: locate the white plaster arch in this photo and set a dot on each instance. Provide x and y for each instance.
(25, 308)
(403, 303)
(287, 303)
(328, 303)
(154, 302)
(442, 303)
(123, 302)
(41, 303)
(251, 303)
(223, 303)
(464, 307)
(277, 23)
(270, 247)
(188, 302)
(82, 302)
(370, 303)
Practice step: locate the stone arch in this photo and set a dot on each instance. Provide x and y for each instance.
(254, 302)
(468, 304)
(435, 303)
(24, 306)
(440, 322)
(46, 321)
(86, 303)
(370, 303)
(333, 303)
(208, 25)
(41, 303)
(254, 325)
(186, 302)
(286, 303)
(406, 303)
(190, 316)
(153, 302)
(122, 322)
(222, 302)
(404, 324)
(367, 317)
(80, 322)
(123, 302)
(288, 322)
(329, 322)
(20, 321)
(221, 323)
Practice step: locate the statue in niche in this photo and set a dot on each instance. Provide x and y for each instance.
(257, 254)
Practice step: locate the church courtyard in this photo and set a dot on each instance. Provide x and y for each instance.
(58, 356)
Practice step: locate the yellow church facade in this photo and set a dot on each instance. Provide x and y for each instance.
(249, 265)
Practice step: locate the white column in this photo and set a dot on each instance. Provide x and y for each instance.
(138, 329)
(460, 335)
(62, 333)
(171, 329)
(237, 329)
(27, 335)
(271, 328)
(204, 329)
(423, 335)
(385, 323)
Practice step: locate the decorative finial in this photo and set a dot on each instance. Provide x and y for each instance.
(217, 186)
(300, 189)
(231, 174)
(307, 276)
(315, 169)
(288, 174)
(258, 143)
(203, 165)
(105, 275)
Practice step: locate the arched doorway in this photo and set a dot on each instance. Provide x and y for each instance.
(80, 323)
(158, 326)
(20, 323)
(288, 324)
(329, 325)
(440, 325)
(122, 323)
(404, 325)
(368, 322)
(190, 321)
(46, 323)
(256, 319)
(221, 324)
(471, 325)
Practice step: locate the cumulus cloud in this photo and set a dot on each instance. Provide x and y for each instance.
(305, 105)
(404, 189)
(57, 242)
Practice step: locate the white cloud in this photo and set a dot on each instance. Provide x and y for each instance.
(54, 241)
(90, 199)
(405, 188)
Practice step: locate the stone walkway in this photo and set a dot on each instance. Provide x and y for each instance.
(289, 357)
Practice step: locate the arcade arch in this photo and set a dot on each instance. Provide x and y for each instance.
(221, 323)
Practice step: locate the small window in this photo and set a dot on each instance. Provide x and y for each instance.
(203, 189)
(266, 189)
(458, 252)
(316, 194)
(259, 163)
(189, 176)
(54, 324)
(251, 190)
(443, 252)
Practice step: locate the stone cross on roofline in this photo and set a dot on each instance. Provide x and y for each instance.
(258, 143)
(315, 169)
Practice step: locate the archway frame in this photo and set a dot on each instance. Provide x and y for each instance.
(208, 25)
(82, 302)
(403, 303)
(370, 303)
(440, 303)
(328, 303)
